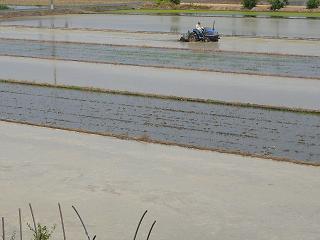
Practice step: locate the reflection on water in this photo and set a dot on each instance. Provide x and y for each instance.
(175, 20)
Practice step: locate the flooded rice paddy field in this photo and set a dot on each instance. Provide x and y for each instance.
(249, 130)
(141, 54)
(265, 64)
(164, 40)
(261, 27)
(229, 87)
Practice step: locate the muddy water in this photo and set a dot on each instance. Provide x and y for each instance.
(295, 66)
(264, 132)
(265, 27)
(242, 44)
(266, 90)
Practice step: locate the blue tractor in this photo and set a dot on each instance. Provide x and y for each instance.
(206, 35)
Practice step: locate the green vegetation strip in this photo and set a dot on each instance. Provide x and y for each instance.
(3, 7)
(165, 97)
(219, 12)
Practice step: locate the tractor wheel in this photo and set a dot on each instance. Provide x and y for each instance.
(192, 38)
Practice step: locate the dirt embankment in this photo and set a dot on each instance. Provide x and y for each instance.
(239, 7)
(220, 5)
(61, 2)
(67, 7)
(13, 14)
(98, 6)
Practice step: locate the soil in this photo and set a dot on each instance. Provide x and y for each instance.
(60, 2)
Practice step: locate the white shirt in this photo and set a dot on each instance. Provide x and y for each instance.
(198, 26)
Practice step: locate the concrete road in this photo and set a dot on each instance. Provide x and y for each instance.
(192, 194)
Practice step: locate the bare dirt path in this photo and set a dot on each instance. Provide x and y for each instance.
(61, 2)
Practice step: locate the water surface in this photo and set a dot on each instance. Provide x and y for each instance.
(262, 27)
(265, 64)
(165, 40)
(242, 88)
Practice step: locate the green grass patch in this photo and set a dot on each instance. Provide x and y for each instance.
(3, 7)
(219, 12)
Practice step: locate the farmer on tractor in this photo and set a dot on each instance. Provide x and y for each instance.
(199, 27)
(199, 33)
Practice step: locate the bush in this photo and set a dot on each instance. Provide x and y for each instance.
(177, 2)
(3, 7)
(249, 4)
(164, 2)
(313, 4)
(277, 4)
(41, 232)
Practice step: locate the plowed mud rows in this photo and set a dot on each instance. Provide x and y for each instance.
(295, 66)
(248, 130)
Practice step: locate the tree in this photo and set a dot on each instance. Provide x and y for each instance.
(249, 4)
(313, 4)
(277, 4)
(177, 2)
